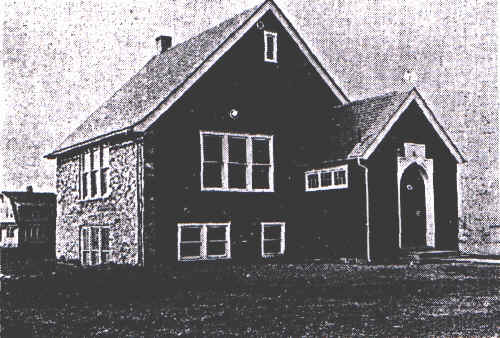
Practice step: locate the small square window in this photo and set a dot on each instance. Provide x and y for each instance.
(270, 47)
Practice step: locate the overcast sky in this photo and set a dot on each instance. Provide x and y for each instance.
(62, 59)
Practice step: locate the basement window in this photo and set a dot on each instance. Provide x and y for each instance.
(326, 179)
(94, 245)
(272, 239)
(236, 162)
(270, 47)
(203, 241)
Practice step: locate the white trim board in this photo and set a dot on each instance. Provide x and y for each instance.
(414, 96)
(228, 44)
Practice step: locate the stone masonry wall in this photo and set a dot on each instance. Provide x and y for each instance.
(118, 210)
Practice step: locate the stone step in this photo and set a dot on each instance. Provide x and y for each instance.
(426, 256)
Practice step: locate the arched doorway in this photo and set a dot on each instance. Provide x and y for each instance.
(413, 208)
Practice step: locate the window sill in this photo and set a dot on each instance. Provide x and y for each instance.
(199, 259)
(273, 255)
(237, 190)
(94, 198)
(327, 188)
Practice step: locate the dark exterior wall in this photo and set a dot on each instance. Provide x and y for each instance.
(414, 128)
(334, 219)
(118, 211)
(287, 100)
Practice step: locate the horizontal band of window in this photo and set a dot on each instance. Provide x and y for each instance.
(324, 170)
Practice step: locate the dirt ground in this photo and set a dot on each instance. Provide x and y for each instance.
(257, 300)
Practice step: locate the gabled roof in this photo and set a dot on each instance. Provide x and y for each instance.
(366, 122)
(166, 77)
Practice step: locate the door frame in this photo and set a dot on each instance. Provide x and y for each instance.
(415, 155)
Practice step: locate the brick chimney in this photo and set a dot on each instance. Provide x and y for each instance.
(163, 43)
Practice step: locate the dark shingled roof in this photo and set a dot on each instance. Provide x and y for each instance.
(158, 79)
(24, 196)
(358, 123)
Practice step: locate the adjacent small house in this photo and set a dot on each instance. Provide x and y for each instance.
(237, 144)
(27, 231)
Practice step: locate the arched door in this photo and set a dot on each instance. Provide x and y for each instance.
(413, 213)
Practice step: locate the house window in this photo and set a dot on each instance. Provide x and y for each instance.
(95, 173)
(32, 233)
(203, 241)
(10, 232)
(326, 179)
(270, 47)
(94, 244)
(272, 239)
(236, 162)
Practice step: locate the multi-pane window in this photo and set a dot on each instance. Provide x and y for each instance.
(10, 232)
(325, 179)
(94, 244)
(236, 162)
(94, 172)
(203, 241)
(272, 239)
(33, 233)
(270, 47)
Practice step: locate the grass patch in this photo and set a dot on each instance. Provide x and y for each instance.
(267, 299)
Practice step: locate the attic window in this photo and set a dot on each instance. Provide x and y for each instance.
(270, 47)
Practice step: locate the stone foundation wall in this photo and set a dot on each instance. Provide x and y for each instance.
(118, 210)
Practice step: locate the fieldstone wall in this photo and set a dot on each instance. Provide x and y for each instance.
(118, 210)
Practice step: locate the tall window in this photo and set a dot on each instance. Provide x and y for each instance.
(270, 47)
(203, 241)
(236, 162)
(326, 179)
(272, 239)
(94, 245)
(94, 173)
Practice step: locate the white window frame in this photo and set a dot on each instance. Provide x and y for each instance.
(99, 249)
(331, 170)
(263, 239)
(204, 241)
(274, 46)
(102, 154)
(249, 164)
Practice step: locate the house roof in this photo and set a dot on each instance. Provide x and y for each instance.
(25, 196)
(148, 94)
(364, 123)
